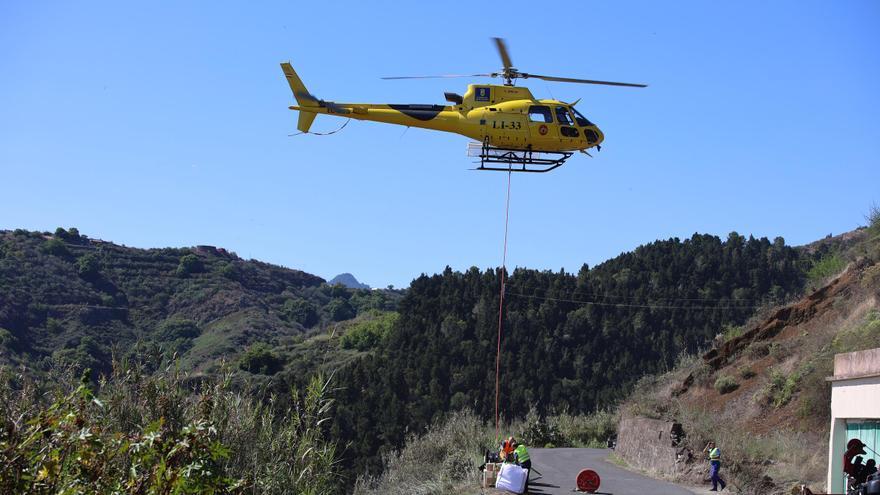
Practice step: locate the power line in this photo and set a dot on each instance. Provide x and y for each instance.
(633, 298)
(625, 305)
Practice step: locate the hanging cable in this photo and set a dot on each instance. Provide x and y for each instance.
(322, 133)
(501, 304)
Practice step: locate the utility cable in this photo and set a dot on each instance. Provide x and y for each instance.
(597, 295)
(626, 305)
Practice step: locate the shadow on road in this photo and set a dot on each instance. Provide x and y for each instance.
(548, 485)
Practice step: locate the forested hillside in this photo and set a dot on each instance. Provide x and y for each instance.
(571, 340)
(66, 299)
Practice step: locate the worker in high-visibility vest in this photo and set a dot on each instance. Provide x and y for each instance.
(521, 457)
(714, 465)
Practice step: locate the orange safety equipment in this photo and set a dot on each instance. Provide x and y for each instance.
(506, 448)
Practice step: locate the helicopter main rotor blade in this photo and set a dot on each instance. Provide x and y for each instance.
(581, 81)
(502, 50)
(440, 76)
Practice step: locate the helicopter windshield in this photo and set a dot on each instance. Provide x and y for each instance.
(581, 120)
(562, 116)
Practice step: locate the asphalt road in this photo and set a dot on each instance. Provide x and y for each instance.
(559, 469)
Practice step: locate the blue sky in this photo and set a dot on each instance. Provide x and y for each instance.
(166, 124)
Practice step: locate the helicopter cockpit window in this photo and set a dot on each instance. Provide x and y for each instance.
(581, 120)
(540, 114)
(562, 116)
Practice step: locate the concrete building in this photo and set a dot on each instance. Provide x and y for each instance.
(855, 410)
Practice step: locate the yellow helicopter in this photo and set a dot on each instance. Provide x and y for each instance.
(510, 126)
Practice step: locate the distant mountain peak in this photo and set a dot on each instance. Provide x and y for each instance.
(347, 280)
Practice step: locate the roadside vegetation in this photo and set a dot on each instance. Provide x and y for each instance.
(145, 431)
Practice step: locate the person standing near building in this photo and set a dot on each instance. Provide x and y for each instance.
(854, 448)
(714, 465)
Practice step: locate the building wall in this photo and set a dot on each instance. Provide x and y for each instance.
(855, 398)
(855, 395)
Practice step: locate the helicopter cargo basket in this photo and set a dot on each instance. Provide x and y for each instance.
(515, 160)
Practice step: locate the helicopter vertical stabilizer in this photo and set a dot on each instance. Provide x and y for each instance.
(303, 97)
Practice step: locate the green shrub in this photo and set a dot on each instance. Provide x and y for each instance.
(873, 219)
(725, 384)
(781, 387)
(747, 373)
(780, 351)
(176, 328)
(300, 311)
(88, 354)
(339, 309)
(229, 270)
(56, 247)
(539, 431)
(88, 265)
(369, 334)
(829, 266)
(259, 358)
(189, 263)
(585, 430)
(732, 331)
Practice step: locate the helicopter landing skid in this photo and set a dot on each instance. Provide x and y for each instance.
(516, 160)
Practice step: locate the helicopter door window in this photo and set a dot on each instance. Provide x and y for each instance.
(540, 114)
(563, 116)
(580, 119)
(570, 132)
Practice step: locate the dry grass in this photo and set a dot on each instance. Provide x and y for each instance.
(444, 459)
